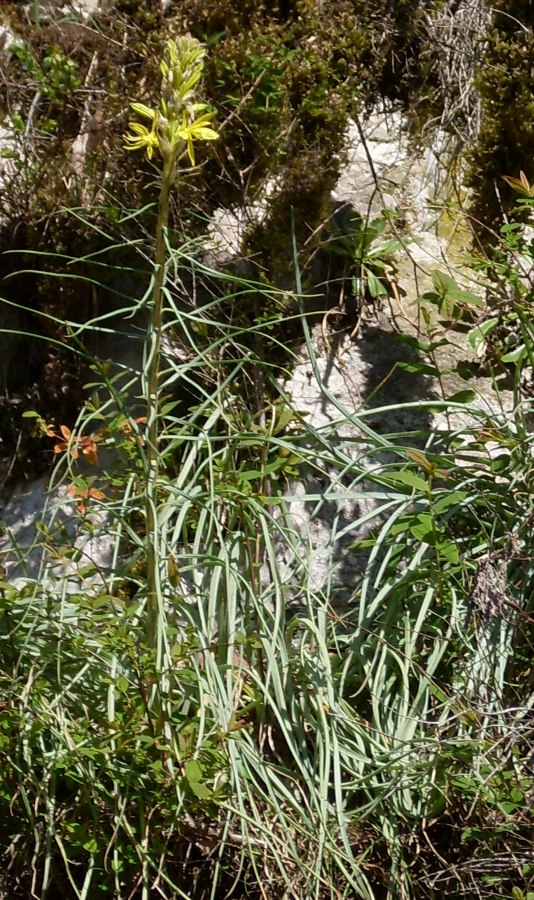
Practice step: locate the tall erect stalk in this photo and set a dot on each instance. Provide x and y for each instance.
(176, 122)
(154, 599)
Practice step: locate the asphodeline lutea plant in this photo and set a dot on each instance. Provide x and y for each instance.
(177, 121)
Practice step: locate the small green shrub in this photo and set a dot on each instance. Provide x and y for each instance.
(503, 338)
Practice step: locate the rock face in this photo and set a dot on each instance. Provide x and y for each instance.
(54, 9)
(39, 520)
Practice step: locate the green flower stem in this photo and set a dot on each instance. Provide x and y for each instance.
(155, 610)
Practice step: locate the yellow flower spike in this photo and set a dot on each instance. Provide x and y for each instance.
(173, 120)
(176, 122)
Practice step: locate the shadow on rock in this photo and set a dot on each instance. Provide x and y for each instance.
(395, 375)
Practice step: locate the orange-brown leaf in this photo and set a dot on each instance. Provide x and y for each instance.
(520, 185)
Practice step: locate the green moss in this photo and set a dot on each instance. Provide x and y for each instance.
(506, 141)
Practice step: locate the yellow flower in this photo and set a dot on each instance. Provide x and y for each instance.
(142, 138)
(197, 130)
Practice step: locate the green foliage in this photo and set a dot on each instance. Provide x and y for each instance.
(452, 301)
(70, 792)
(55, 76)
(370, 261)
(505, 336)
(299, 742)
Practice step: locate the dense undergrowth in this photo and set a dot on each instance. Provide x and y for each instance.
(282, 742)
(198, 714)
